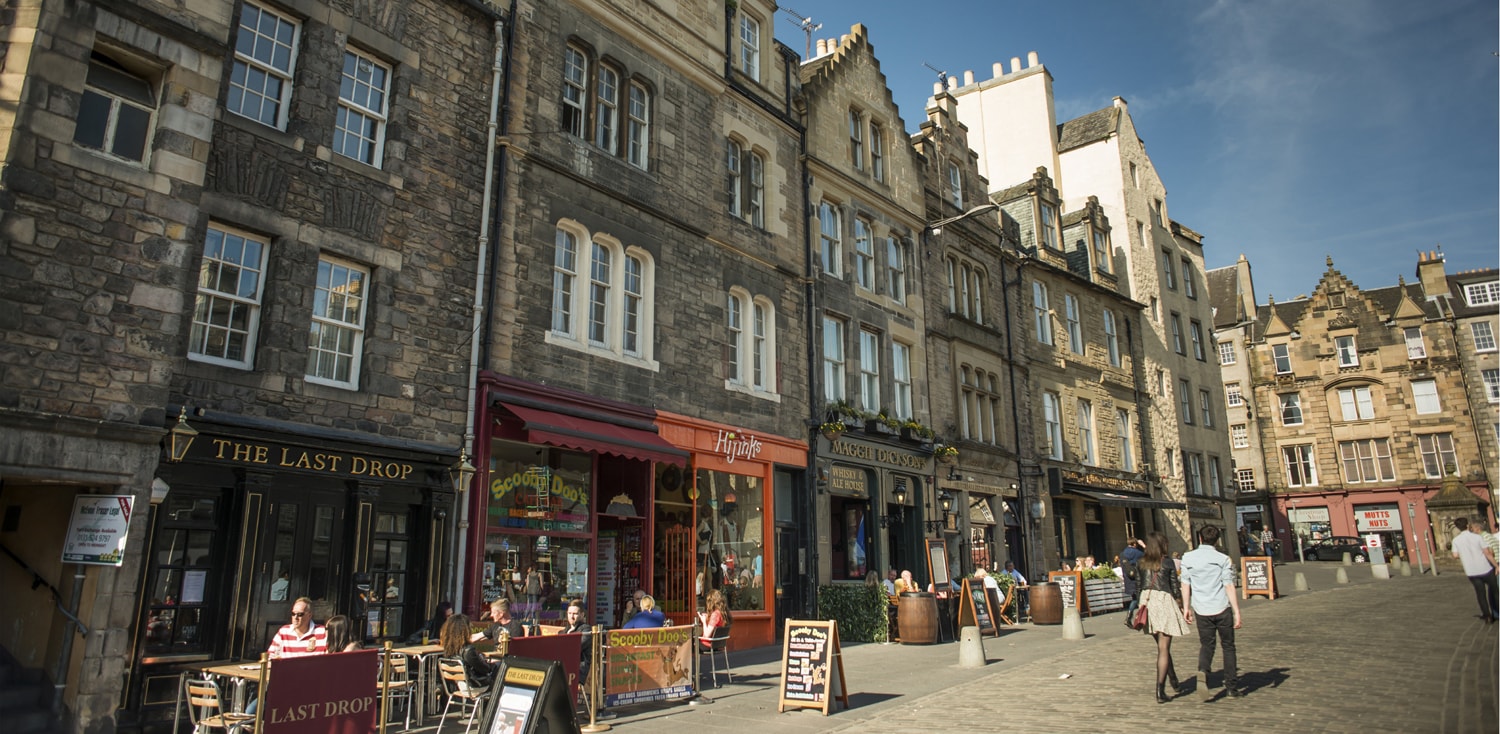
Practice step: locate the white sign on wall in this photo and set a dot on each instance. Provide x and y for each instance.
(1377, 518)
(96, 534)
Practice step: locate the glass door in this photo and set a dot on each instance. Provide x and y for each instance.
(300, 555)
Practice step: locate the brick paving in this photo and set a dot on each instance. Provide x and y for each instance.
(1406, 654)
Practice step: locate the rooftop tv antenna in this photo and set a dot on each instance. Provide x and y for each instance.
(942, 75)
(808, 26)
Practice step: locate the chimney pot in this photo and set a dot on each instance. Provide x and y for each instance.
(937, 88)
(1031, 59)
(968, 77)
(952, 83)
(997, 69)
(822, 47)
(1015, 64)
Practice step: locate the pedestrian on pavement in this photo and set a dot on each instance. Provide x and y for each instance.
(1486, 530)
(1479, 565)
(1267, 541)
(1208, 597)
(1128, 558)
(1155, 575)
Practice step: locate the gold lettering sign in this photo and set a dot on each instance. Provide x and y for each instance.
(880, 454)
(848, 480)
(312, 460)
(1094, 479)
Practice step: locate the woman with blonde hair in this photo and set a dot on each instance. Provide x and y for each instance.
(649, 616)
(1160, 593)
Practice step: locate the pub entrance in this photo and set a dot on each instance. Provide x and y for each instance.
(300, 553)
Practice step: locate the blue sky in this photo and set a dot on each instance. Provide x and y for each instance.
(1286, 130)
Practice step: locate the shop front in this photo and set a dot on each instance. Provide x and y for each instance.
(260, 513)
(728, 523)
(876, 501)
(1399, 515)
(563, 510)
(1096, 511)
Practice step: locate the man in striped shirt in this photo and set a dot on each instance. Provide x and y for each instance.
(301, 637)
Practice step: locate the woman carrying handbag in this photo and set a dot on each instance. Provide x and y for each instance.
(1160, 612)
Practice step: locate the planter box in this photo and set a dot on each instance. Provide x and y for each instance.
(1104, 595)
(877, 428)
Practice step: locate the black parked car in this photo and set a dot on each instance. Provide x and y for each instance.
(1334, 548)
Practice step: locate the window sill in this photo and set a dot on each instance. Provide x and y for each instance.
(567, 342)
(363, 169)
(744, 389)
(103, 165)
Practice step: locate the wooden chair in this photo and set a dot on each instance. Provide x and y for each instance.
(456, 684)
(1005, 602)
(400, 685)
(206, 709)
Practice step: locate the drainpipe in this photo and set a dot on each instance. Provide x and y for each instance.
(481, 275)
(809, 294)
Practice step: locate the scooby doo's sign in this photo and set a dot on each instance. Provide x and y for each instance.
(648, 665)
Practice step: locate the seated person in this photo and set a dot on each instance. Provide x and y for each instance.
(906, 583)
(648, 616)
(716, 618)
(342, 636)
(434, 627)
(501, 621)
(457, 643)
(578, 625)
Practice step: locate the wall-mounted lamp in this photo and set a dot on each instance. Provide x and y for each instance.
(945, 502)
(180, 438)
(462, 472)
(159, 490)
(900, 494)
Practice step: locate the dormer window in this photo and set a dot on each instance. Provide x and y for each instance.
(1049, 226)
(1482, 294)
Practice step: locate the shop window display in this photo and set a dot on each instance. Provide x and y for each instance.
(731, 538)
(537, 529)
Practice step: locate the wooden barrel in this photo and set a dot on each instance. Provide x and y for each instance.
(1046, 603)
(917, 618)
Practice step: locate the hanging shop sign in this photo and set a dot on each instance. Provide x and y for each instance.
(1377, 518)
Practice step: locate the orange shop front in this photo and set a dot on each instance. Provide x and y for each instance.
(716, 523)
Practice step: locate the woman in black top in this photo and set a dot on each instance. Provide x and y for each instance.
(455, 640)
(1160, 594)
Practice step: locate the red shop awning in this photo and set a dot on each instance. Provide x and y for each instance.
(584, 434)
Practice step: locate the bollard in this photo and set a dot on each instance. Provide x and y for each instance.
(1072, 624)
(971, 648)
(1299, 582)
(1341, 576)
(1405, 568)
(1347, 560)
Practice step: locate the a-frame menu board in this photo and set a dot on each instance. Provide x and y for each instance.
(812, 667)
(974, 609)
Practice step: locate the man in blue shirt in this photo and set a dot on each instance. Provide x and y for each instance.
(1208, 595)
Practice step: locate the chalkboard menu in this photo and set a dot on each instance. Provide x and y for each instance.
(1257, 577)
(937, 563)
(1070, 585)
(812, 667)
(974, 608)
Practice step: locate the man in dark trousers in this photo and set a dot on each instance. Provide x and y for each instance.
(1208, 595)
(1134, 549)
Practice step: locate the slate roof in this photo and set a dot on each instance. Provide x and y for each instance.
(1014, 192)
(1456, 283)
(1223, 295)
(1090, 128)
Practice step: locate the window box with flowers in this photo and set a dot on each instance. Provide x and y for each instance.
(914, 432)
(881, 424)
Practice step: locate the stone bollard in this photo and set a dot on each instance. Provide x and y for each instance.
(971, 648)
(1341, 576)
(1405, 568)
(1072, 624)
(1299, 582)
(1348, 561)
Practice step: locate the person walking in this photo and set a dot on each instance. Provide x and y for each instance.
(1479, 565)
(1156, 580)
(1208, 597)
(1128, 558)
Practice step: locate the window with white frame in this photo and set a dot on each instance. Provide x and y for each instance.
(746, 182)
(734, 316)
(1482, 294)
(901, 380)
(1169, 463)
(226, 310)
(895, 264)
(337, 332)
(1168, 273)
(1188, 288)
(1158, 213)
(1356, 403)
(1185, 401)
(869, 370)
(1291, 408)
(749, 46)
(955, 185)
(877, 152)
(1367, 460)
(574, 90)
(359, 129)
(1282, 357)
(1348, 354)
(1416, 348)
(1245, 479)
(864, 255)
(1233, 397)
(857, 139)
(1215, 482)
(1491, 378)
(1101, 251)
(1111, 338)
(952, 268)
(1052, 421)
(638, 132)
(833, 360)
(1301, 470)
(1075, 325)
(116, 110)
(609, 314)
(607, 109)
(1206, 407)
(1239, 436)
(751, 347)
(1122, 433)
(1437, 453)
(762, 345)
(265, 57)
(1086, 431)
(734, 157)
(1193, 465)
(1049, 234)
(979, 404)
(1195, 330)
(1041, 311)
(1178, 345)
(1227, 353)
(1484, 336)
(976, 295)
(1425, 396)
(830, 238)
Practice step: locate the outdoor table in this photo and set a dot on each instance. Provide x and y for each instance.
(427, 656)
(240, 674)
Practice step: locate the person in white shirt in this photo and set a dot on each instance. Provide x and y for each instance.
(890, 582)
(1479, 566)
(1208, 598)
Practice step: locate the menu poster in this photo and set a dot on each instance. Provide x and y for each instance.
(644, 665)
(192, 586)
(1068, 583)
(1258, 577)
(812, 666)
(974, 608)
(530, 695)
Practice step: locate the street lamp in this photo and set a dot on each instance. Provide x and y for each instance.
(937, 227)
